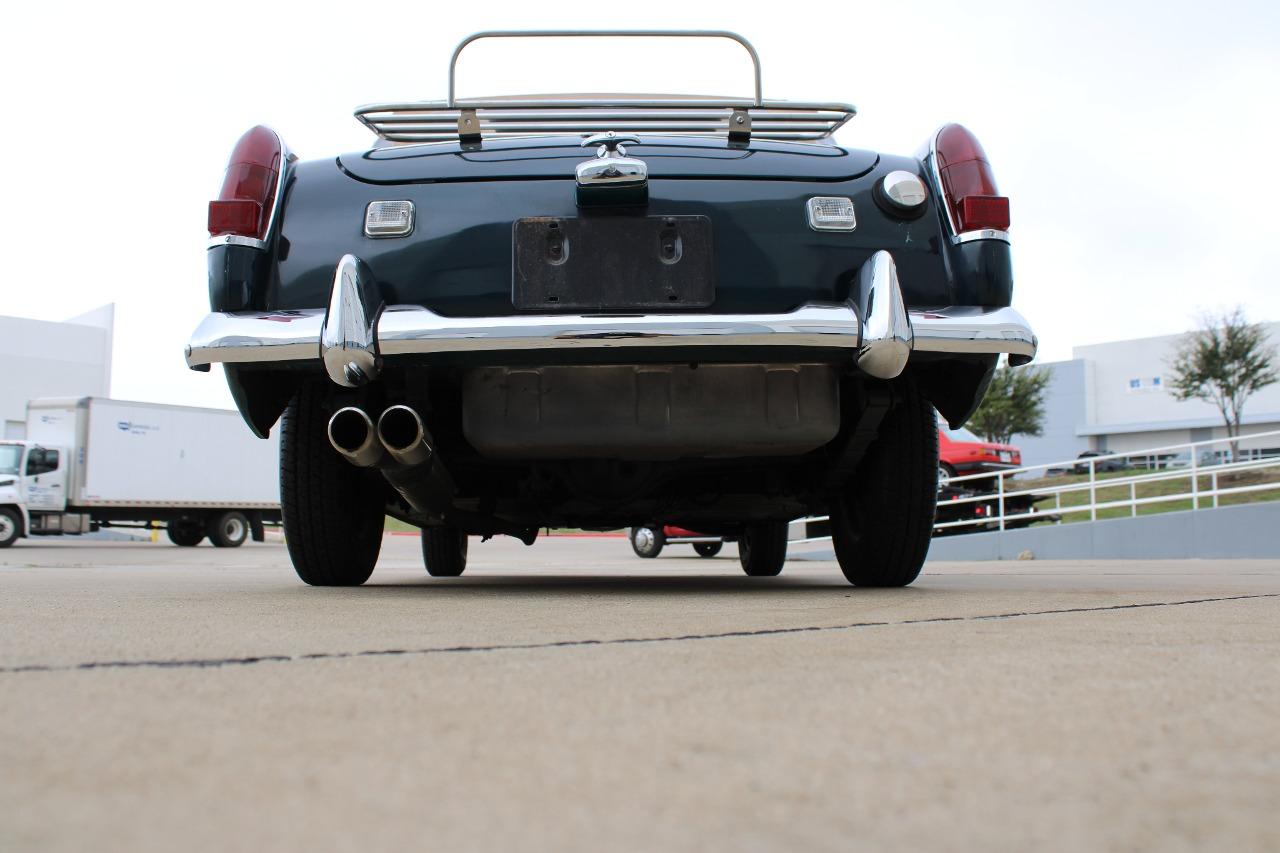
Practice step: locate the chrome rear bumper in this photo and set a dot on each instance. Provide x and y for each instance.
(352, 335)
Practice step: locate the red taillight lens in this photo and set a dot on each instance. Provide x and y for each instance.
(247, 200)
(234, 217)
(983, 211)
(968, 182)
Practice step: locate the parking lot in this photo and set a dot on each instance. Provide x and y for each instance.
(572, 696)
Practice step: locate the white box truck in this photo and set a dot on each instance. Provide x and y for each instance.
(89, 463)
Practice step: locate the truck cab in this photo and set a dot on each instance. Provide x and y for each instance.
(33, 492)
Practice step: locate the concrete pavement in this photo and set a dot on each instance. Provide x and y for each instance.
(571, 696)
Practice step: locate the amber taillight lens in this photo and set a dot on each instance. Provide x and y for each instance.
(968, 182)
(246, 202)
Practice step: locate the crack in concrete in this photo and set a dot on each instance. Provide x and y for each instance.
(208, 663)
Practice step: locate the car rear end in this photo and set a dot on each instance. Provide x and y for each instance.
(594, 310)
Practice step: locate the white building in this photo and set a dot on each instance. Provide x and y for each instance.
(1113, 397)
(44, 359)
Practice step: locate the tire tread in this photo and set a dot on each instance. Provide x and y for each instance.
(332, 511)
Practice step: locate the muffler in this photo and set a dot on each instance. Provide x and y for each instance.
(352, 434)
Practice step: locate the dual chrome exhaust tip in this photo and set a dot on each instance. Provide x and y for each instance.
(399, 434)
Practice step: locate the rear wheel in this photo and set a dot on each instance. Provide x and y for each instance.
(647, 542)
(332, 510)
(10, 527)
(708, 549)
(229, 530)
(762, 548)
(883, 520)
(186, 532)
(444, 551)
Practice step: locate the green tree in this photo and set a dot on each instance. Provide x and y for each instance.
(1223, 362)
(1014, 404)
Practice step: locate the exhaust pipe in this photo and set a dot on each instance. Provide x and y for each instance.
(404, 436)
(352, 434)
(416, 472)
(401, 448)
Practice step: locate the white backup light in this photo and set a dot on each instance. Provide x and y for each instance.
(831, 213)
(904, 190)
(388, 219)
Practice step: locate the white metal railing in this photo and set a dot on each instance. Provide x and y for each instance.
(1207, 481)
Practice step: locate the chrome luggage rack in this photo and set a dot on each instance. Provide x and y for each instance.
(472, 120)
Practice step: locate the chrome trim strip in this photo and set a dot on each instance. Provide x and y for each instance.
(723, 34)
(936, 174)
(886, 329)
(348, 345)
(236, 240)
(981, 234)
(973, 330)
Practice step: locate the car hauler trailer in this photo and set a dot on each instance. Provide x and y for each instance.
(90, 462)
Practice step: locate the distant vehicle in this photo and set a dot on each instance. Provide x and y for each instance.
(90, 463)
(1116, 464)
(952, 507)
(649, 541)
(960, 453)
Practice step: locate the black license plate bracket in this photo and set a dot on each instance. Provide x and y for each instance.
(612, 263)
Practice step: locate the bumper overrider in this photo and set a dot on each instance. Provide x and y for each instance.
(356, 331)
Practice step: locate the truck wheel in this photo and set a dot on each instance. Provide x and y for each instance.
(882, 523)
(762, 548)
(229, 530)
(10, 527)
(444, 551)
(185, 533)
(708, 549)
(647, 542)
(332, 511)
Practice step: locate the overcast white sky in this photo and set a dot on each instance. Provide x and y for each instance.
(1137, 141)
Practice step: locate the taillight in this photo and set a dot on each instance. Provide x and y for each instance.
(247, 200)
(968, 183)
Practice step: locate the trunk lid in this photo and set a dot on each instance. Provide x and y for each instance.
(534, 158)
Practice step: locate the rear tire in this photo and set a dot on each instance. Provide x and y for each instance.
(229, 530)
(762, 548)
(10, 527)
(708, 549)
(883, 521)
(647, 542)
(185, 533)
(444, 551)
(332, 511)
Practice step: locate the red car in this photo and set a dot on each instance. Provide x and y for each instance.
(960, 452)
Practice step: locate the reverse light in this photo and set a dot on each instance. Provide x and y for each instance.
(831, 213)
(245, 205)
(968, 183)
(388, 219)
